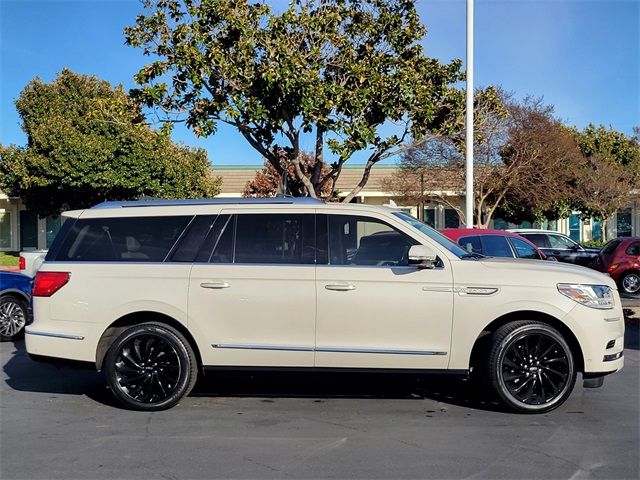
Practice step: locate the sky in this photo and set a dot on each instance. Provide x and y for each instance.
(582, 56)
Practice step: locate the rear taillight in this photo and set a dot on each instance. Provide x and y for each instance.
(23, 263)
(46, 284)
(613, 267)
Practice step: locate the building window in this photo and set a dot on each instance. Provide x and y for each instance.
(451, 218)
(5, 230)
(574, 228)
(623, 222)
(430, 217)
(596, 230)
(500, 223)
(525, 224)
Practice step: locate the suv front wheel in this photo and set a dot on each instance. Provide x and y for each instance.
(150, 366)
(531, 367)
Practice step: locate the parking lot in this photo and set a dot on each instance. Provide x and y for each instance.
(62, 423)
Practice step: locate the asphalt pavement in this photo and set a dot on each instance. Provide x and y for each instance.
(63, 424)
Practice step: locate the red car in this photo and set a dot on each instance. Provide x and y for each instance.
(620, 258)
(494, 243)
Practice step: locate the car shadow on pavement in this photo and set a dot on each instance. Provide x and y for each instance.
(324, 385)
(24, 374)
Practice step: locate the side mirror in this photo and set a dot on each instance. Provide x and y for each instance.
(422, 256)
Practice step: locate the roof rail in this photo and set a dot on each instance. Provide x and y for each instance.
(210, 201)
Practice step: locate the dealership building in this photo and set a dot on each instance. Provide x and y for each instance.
(21, 229)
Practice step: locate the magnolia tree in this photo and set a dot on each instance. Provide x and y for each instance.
(266, 182)
(336, 71)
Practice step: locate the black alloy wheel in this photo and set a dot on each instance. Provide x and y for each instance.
(531, 367)
(150, 367)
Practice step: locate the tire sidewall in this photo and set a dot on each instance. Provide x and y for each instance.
(504, 346)
(183, 356)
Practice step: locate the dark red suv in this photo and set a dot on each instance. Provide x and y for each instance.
(620, 258)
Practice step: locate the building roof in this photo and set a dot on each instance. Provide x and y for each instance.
(235, 177)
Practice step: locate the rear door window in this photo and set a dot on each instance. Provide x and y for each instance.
(275, 239)
(122, 239)
(540, 240)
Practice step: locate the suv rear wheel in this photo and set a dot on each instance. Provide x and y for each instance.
(150, 366)
(531, 368)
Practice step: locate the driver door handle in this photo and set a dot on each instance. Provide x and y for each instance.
(340, 287)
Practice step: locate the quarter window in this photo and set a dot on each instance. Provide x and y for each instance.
(634, 249)
(356, 240)
(123, 239)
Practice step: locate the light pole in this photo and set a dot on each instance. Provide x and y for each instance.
(469, 118)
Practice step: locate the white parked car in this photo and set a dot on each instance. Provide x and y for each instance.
(30, 261)
(156, 292)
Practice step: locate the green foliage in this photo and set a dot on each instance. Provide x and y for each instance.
(609, 171)
(593, 243)
(87, 143)
(339, 68)
(9, 259)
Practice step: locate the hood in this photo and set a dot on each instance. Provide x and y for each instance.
(544, 272)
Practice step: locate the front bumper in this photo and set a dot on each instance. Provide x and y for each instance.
(600, 334)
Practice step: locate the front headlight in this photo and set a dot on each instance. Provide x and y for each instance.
(594, 296)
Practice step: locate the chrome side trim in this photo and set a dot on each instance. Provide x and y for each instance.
(248, 346)
(615, 319)
(389, 351)
(296, 348)
(55, 335)
(438, 289)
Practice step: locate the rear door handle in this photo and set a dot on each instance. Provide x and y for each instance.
(340, 287)
(215, 285)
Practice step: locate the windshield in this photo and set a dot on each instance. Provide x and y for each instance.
(434, 235)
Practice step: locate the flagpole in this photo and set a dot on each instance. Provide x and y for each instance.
(469, 118)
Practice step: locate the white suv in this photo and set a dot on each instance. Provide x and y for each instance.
(154, 292)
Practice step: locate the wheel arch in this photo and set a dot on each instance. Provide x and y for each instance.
(482, 341)
(136, 318)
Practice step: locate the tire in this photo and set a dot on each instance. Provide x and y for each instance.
(13, 317)
(520, 372)
(630, 283)
(150, 367)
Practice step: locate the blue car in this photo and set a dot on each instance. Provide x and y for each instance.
(15, 304)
